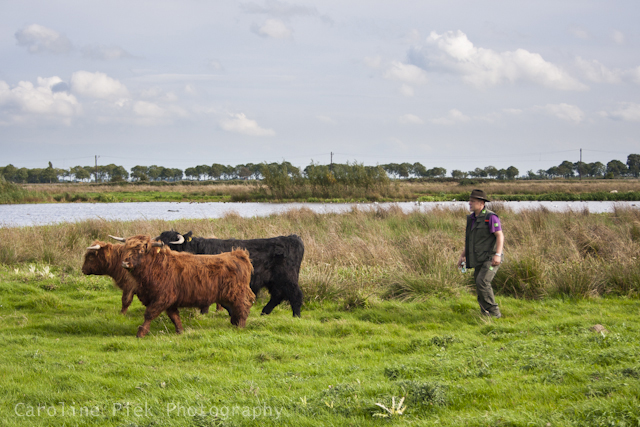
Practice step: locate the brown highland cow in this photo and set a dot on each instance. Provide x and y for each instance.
(168, 280)
(105, 259)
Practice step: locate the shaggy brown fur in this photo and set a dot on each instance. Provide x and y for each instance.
(107, 261)
(169, 280)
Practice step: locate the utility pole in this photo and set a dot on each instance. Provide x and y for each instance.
(96, 171)
(580, 168)
(331, 165)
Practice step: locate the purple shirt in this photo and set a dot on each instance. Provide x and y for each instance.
(493, 220)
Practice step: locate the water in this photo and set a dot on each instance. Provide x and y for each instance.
(41, 214)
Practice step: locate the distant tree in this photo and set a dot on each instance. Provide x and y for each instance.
(49, 174)
(118, 174)
(22, 175)
(154, 171)
(216, 170)
(10, 173)
(176, 174)
(478, 173)
(140, 173)
(203, 172)
(581, 168)
(458, 174)
(437, 172)
(419, 170)
(553, 171)
(596, 169)
(404, 169)
(80, 173)
(191, 173)
(633, 164)
(491, 171)
(512, 172)
(565, 169)
(617, 168)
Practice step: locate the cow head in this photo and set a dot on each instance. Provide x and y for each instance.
(173, 238)
(136, 248)
(96, 259)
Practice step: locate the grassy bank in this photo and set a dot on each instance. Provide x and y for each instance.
(386, 316)
(426, 190)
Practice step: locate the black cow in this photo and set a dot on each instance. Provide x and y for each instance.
(276, 262)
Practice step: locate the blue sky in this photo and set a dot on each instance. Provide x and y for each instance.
(455, 84)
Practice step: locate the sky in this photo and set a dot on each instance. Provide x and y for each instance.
(457, 84)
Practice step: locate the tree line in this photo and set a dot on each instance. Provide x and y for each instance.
(314, 174)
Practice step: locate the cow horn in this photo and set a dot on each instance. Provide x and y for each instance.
(179, 241)
(119, 239)
(157, 244)
(94, 247)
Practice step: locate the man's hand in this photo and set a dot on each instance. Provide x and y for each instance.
(461, 260)
(496, 261)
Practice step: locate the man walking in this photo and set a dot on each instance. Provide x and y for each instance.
(483, 246)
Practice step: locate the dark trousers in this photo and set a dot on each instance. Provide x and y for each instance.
(483, 276)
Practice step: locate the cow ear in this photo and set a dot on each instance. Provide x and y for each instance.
(187, 237)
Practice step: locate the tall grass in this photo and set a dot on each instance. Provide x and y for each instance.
(368, 254)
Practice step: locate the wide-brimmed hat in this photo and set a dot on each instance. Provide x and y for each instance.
(479, 194)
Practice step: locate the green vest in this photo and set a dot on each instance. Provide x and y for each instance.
(480, 242)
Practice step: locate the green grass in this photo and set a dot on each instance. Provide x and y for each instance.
(66, 347)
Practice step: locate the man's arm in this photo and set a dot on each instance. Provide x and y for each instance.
(497, 259)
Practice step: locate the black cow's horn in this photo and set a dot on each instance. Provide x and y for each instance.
(157, 244)
(179, 241)
(119, 239)
(94, 247)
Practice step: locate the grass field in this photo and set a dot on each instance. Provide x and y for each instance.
(69, 358)
(387, 316)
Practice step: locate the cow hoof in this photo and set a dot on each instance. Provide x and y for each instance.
(179, 331)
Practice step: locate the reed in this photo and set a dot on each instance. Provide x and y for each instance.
(373, 253)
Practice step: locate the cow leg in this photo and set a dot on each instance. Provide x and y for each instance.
(149, 314)
(219, 307)
(204, 310)
(273, 302)
(127, 298)
(296, 301)
(227, 307)
(174, 315)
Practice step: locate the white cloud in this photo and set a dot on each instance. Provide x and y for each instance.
(97, 85)
(454, 116)
(406, 73)
(373, 61)
(148, 109)
(285, 10)
(406, 90)
(37, 38)
(410, 119)
(629, 111)
(108, 53)
(272, 28)
(27, 102)
(239, 123)
(617, 37)
(579, 32)
(326, 119)
(596, 72)
(513, 111)
(563, 111)
(453, 52)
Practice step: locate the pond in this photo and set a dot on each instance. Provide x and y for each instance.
(41, 214)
